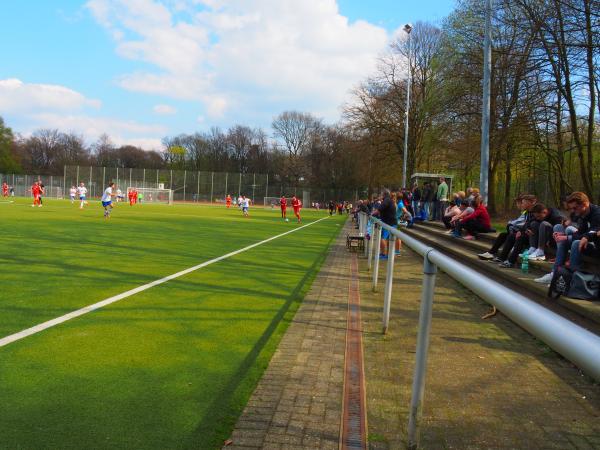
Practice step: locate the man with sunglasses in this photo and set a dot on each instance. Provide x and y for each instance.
(579, 237)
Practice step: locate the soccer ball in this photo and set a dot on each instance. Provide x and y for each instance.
(287, 220)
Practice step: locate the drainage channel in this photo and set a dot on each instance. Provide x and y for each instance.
(354, 408)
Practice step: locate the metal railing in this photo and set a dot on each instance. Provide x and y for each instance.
(565, 337)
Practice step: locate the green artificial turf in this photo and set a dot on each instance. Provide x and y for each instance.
(170, 367)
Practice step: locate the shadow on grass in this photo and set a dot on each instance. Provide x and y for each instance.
(223, 412)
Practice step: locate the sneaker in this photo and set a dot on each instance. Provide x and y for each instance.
(497, 260)
(505, 265)
(538, 255)
(397, 252)
(456, 235)
(383, 257)
(546, 279)
(469, 237)
(487, 256)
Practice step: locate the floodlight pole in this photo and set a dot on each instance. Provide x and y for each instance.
(485, 116)
(407, 29)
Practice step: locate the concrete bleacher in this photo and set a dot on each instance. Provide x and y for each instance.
(436, 235)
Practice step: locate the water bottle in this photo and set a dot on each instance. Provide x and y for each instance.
(525, 261)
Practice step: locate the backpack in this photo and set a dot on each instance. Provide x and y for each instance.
(561, 282)
(585, 286)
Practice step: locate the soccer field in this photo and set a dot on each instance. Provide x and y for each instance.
(169, 367)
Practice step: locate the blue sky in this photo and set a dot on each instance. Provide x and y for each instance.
(138, 70)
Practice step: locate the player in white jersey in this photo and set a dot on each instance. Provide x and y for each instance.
(239, 201)
(245, 205)
(119, 195)
(82, 191)
(72, 193)
(107, 200)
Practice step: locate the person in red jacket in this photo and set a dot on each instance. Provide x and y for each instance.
(476, 222)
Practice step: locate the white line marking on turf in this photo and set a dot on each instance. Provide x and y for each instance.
(87, 309)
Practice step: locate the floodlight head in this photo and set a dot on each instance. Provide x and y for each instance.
(408, 28)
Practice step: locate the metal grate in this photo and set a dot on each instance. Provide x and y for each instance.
(354, 413)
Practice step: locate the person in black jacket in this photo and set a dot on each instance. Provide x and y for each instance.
(585, 217)
(386, 211)
(540, 230)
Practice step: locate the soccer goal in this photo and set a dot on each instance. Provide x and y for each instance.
(273, 202)
(152, 195)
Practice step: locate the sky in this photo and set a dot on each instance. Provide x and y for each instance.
(139, 70)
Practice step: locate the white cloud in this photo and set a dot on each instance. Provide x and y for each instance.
(17, 96)
(243, 52)
(164, 109)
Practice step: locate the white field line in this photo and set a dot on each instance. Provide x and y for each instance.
(87, 309)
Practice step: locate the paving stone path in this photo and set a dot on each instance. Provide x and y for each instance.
(298, 402)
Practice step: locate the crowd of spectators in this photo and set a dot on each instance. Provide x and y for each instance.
(537, 230)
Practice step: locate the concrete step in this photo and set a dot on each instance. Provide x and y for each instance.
(464, 251)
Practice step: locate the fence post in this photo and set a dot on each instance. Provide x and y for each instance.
(130, 176)
(240, 185)
(212, 185)
(226, 177)
(64, 178)
(198, 189)
(184, 183)
(171, 180)
(376, 244)
(103, 178)
(144, 179)
(77, 177)
(267, 188)
(117, 177)
(418, 387)
(371, 244)
(253, 187)
(389, 281)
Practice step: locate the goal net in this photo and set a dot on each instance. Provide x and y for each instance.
(273, 202)
(151, 195)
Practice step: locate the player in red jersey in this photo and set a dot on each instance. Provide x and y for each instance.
(283, 205)
(36, 191)
(228, 201)
(5, 189)
(296, 204)
(130, 196)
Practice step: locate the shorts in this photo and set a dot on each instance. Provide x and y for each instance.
(105, 204)
(296, 210)
(284, 208)
(385, 234)
(82, 197)
(245, 209)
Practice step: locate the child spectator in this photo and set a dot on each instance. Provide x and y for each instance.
(540, 230)
(451, 211)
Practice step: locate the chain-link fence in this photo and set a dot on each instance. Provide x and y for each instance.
(187, 185)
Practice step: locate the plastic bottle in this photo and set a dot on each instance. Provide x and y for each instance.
(525, 261)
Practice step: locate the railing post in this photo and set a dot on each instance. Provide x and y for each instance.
(389, 280)
(376, 244)
(418, 387)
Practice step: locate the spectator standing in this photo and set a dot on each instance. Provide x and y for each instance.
(442, 197)
(416, 199)
(386, 210)
(427, 196)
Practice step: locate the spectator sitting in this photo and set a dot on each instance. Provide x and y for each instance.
(540, 230)
(580, 240)
(459, 198)
(519, 238)
(451, 211)
(511, 227)
(466, 209)
(476, 222)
